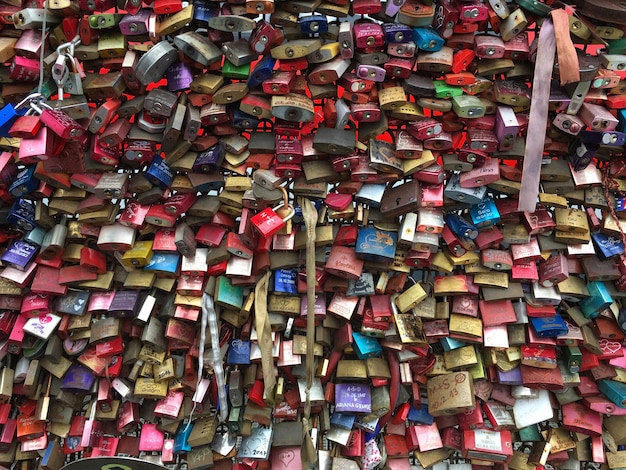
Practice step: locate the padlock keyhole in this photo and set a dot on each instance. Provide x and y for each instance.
(398, 201)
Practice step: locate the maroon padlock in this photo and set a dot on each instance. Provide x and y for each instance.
(59, 122)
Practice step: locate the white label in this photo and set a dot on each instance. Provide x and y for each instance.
(42, 326)
(488, 440)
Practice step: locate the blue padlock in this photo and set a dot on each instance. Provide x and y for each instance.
(238, 352)
(181, 444)
(286, 281)
(10, 113)
(485, 214)
(36, 236)
(261, 71)
(372, 435)
(607, 246)
(397, 33)
(420, 415)
(461, 227)
(427, 39)
(549, 327)
(376, 245)
(203, 12)
(25, 182)
(449, 344)
(164, 263)
(314, 24)
(614, 391)
(342, 420)
(599, 299)
(159, 172)
(22, 214)
(206, 183)
(366, 346)
(244, 121)
(621, 118)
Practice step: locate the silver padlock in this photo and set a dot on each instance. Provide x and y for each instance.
(370, 194)
(469, 196)
(153, 64)
(198, 48)
(153, 334)
(32, 18)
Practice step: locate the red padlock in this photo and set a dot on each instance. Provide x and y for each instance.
(25, 127)
(93, 260)
(269, 222)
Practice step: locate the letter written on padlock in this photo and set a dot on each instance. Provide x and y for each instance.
(268, 222)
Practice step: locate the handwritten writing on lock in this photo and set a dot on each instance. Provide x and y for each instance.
(351, 398)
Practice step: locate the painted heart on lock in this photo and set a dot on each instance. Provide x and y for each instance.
(610, 347)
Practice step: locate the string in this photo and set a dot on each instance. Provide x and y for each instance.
(203, 324)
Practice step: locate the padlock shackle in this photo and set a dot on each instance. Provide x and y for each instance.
(285, 195)
(285, 204)
(67, 48)
(35, 107)
(30, 98)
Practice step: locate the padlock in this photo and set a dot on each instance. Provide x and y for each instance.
(269, 222)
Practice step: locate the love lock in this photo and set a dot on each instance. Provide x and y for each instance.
(58, 121)
(270, 221)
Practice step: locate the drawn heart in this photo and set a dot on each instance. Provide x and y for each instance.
(609, 346)
(287, 457)
(572, 328)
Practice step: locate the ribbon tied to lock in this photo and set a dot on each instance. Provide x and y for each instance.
(554, 37)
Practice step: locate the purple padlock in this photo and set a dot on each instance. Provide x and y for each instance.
(353, 398)
(179, 77)
(124, 304)
(209, 160)
(78, 379)
(20, 253)
(511, 377)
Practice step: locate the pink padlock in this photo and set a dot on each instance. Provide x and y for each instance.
(46, 144)
(59, 122)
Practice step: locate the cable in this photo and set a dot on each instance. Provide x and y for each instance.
(43, 41)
